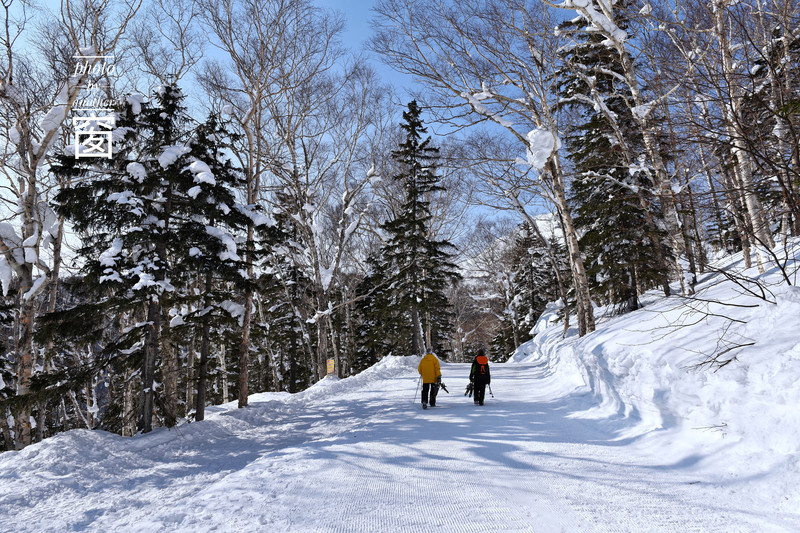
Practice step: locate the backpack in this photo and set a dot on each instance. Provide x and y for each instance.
(483, 367)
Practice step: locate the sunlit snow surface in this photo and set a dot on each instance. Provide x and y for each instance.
(611, 432)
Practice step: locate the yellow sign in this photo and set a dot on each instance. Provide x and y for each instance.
(330, 366)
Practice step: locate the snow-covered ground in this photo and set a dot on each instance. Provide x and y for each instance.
(611, 432)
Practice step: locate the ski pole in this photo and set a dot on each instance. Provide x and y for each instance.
(490, 391)
(415, 390)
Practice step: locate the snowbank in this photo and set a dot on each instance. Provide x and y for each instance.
(389, 367)
(652, 367)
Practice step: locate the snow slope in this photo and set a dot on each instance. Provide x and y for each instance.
(603, 433)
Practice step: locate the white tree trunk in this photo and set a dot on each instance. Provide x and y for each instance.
(744, 165)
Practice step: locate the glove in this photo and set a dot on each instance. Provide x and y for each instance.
(439, 379)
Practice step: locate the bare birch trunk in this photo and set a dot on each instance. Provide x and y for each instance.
(202, 372)
(337, 365)
(244, 346)
(585, 310)
(744, 165)
(128, 428)
(244, 350)
(223, 375)
(702, 259)
(24, 364)
(735, 202)
(428, 333)
(416, 333)
(322, 347)
(205, 347)
(350, 341)
(90, 403)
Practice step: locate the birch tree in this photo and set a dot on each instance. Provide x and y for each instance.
(306, 112)
(35, 105)
(725, 45)
(257, 39)
(601, 17)
(733, 111)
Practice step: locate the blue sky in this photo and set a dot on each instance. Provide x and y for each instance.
(358, 14)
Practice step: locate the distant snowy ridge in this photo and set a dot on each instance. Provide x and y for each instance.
(547, 225)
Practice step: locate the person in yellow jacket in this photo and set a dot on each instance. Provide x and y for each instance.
(431, 374)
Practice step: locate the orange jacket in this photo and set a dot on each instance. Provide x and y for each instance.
(429, 368)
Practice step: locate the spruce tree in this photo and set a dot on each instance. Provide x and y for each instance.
(208, 221)
(156, 217)
(288, 290)
(533, 277)
(615, 206)
(532, 284)
(383, 326)
(414, 270)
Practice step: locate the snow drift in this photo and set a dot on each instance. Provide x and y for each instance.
(717, 372)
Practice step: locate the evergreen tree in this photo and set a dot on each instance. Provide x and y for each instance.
(383, 326)
(615, 206)
(533, 277)
(532, 285)
(408, 305)
(207, 220)
(156, 217)
(767, 118)
(288, 290)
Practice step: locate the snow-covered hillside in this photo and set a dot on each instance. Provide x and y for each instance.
(654, 366)
(615, 431)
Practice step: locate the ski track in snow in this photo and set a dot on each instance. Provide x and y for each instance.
(357, 455)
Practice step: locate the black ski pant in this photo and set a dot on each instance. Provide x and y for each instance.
(434, 390)
(480, 392)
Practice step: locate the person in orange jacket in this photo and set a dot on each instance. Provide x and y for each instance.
(431, 373)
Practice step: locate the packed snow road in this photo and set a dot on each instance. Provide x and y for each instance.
(359, 455)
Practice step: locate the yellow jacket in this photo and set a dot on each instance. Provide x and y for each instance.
(429, 368)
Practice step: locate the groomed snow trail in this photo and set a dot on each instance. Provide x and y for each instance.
(357, 455)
